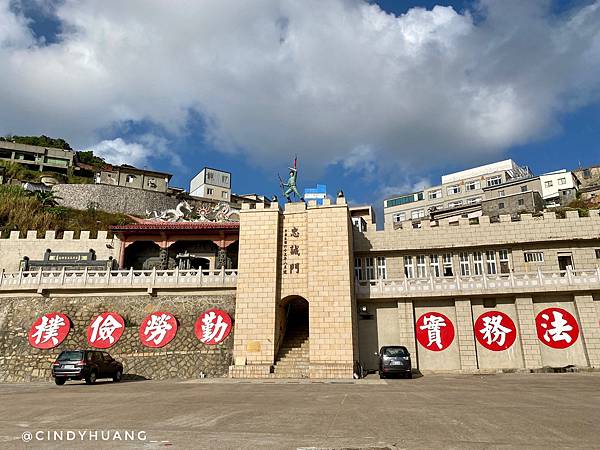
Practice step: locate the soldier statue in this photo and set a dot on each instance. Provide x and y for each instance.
(289, 187)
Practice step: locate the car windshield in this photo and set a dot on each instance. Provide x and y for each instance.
(395, 351)
(70, 356)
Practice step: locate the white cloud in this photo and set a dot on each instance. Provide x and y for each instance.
(140, 154)
(322, 79)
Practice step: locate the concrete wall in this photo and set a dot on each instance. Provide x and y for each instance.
(184, 357)
(13, 249)
(115, 199)
(393, 323)
(511, 204)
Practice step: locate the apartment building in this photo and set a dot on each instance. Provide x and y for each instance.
(33, 157)
(457, 191)
(212, 183)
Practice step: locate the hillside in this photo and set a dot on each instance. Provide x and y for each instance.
(22, 211)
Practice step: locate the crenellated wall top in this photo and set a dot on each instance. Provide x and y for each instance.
(480, 232)
(51, 235)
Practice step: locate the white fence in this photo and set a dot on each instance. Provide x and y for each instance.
(461, 285)
(66, 279)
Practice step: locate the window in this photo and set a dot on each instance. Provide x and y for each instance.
(448, 270)
(151, 183)
(224, 178)
(548, 184)
(434, 263)
(210, 175)
(493, 181)
(501, 194)
(417, 214)
(435, 194)
(586, 173)
(521, 202)
(524, 188)
(472, 185)
(455, 204)
(501, 205)
(358, 269)
(409, 270)
(465, 267)
(453, 189)
(381, 268)
(562, 181)
(491, 262)
(503, 257)
(473, 200)
(129, 178)
(404, 199)
(209, 191)
(597, 253)
(421, 267)
(369, 271)
(534, 256)
(478, 263)
(399, 217)
(224, 194)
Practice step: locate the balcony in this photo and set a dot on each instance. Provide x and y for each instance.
(149, 280)
(501, 284)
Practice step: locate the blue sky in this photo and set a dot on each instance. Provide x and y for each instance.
(373, 101)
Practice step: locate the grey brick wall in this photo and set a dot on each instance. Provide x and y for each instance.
(115, 199)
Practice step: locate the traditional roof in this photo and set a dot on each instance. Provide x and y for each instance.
(176, 226)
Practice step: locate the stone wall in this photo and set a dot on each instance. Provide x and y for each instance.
(13, 249)
(184, 357)
(115, 199)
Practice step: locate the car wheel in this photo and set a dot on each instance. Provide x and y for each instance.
(91, 378)
(60, 381)
(118, 376)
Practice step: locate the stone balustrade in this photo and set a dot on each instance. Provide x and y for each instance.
(511, 283)
(117, 279)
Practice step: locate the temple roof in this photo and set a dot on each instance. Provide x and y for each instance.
(176, 227)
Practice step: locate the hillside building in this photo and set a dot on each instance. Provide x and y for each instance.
(41, 159)
(213, 184)
(132, 177)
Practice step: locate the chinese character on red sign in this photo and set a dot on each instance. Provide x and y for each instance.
(213, 326)
(495, 330)
(158, 329)
(434, 331)
(556, 327)
(105, 330)
(49, 330)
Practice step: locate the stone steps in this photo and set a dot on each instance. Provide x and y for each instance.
(293, 356)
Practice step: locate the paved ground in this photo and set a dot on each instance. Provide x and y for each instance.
(493, 411)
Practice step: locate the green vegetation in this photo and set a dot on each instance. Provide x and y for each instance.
(88, 157)
(22, 211)
(42, 141)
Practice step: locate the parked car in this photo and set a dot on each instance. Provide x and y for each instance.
(88, 365)
(394, 359)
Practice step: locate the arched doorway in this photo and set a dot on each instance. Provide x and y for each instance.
(292, 360)
(193, 255)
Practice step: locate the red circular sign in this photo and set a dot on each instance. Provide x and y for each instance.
(556, 327)
(105, 330)
(213, 326)
(158, 329)
(49, 330)
(495, 330)
(435, 331)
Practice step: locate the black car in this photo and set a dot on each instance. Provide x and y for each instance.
(394, 359)
(88, 365)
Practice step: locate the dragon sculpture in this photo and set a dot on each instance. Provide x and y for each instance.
(184, 212)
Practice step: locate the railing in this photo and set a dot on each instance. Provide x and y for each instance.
(510, 282)
(65, 279)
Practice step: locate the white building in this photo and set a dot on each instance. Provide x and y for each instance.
(554, 182)
(212, 183)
